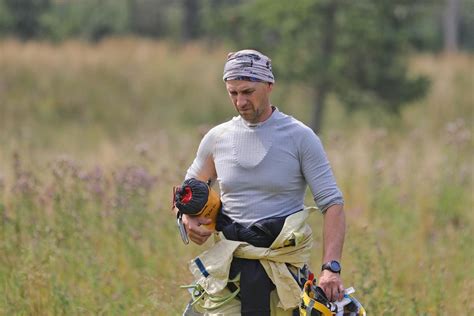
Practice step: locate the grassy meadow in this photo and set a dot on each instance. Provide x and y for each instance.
(92, 138)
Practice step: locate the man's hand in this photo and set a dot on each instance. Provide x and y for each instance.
(197, 233)
(331, 283)
(334, 230)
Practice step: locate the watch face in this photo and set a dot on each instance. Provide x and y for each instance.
(335, 266)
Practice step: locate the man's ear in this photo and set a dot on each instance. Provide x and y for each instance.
(270, 87)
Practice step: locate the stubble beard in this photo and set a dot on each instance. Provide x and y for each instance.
(251, 116)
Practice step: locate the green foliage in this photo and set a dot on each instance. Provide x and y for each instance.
(70, 257)
(156, 18)
(94, 136)
(426, 34)
(90, 19)
(25, 16)
(219, 19)
(6, 18)
(355, 49)
(211, 19)
(466, 36)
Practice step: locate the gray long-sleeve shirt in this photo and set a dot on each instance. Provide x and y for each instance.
(263, 169)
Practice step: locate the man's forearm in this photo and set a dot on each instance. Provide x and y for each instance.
(334, 230)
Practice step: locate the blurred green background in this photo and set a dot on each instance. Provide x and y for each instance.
(103, 104)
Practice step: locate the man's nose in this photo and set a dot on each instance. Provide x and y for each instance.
(241, 100)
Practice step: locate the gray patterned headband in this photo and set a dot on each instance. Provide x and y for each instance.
(250, 65)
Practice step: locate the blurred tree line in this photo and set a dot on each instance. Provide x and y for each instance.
(212, 19)
(352, 49)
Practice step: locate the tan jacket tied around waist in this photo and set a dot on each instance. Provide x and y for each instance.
(293, 246)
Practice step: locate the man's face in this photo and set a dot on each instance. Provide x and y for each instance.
(250, 99)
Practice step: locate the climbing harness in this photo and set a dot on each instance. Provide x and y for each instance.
(315, 303)
(201, 300)
(210, 293)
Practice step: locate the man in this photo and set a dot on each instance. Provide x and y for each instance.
(263, 160)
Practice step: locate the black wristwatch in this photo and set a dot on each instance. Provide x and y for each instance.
(333, 266)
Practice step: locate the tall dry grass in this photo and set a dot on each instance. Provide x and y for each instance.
(92, 137)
